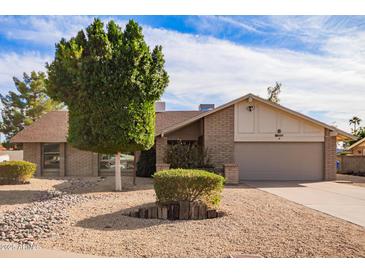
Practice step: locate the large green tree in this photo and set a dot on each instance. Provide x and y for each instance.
(23, 106)
(109, 80)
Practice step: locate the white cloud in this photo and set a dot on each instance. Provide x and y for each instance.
(42, 30)
(204, 69)
(13, 64)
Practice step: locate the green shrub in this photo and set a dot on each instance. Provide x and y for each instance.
(176, 185)
(185, 155)
(16, 171)
(146, 165)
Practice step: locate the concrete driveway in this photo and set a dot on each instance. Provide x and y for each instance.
(340, 200)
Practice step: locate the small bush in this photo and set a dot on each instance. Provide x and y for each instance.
(191, 185)
(185, 155)
(16, 171)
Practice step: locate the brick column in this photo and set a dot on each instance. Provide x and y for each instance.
(62, 159)
(32, 152)
(219, 136)
(231, 173)
(162, 166)
(329, 156)
(161, 147)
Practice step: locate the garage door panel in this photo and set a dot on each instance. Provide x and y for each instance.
(279, 161)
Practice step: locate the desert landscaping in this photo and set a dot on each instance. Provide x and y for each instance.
(86, 216)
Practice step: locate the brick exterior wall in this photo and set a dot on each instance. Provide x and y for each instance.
(329, 156)
(231, 173)
(162, 166)
(32, 153)
(219, 136)
(161, 147)
(80, 163)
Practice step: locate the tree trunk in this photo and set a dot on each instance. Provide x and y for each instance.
(134, 167)
(118, 178)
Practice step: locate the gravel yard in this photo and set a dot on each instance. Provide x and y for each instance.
(256, 223)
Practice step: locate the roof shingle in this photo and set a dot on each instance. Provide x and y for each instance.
(52, 127)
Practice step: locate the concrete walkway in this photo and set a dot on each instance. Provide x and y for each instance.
(340, 200)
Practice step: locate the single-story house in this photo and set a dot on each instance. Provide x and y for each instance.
(250, 137)
(357, 148)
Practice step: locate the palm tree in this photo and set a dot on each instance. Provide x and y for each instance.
(355, 121)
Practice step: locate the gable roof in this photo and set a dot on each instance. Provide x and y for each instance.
(342, 133)
(52, 127)
(356, 144)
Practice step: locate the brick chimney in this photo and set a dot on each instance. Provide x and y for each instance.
(206, 107)
(160, 106)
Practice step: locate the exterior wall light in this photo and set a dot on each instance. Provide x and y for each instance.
(250, 108)
(279, 133)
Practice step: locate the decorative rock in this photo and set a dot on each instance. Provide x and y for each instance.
(38, 219)
(176, 211)
(195, 212)
(154, 212)
(164, 213)
(159, 212)
(211, 213)
(184, 207)
(220, 214)
(141, 213)
(202, 211)
(170, 212)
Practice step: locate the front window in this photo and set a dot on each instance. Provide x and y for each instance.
(51, 156)
(107, 162)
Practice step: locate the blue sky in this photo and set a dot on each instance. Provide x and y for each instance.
(320, 60)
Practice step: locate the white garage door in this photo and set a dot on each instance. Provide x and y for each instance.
(279, 161)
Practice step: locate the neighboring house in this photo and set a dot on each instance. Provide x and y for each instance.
(13, 155)
(4, 158)
(10, 155)
(252, 138)
(357, 148)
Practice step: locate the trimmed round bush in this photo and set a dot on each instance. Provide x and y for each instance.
(16, 171)
(191, 185)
